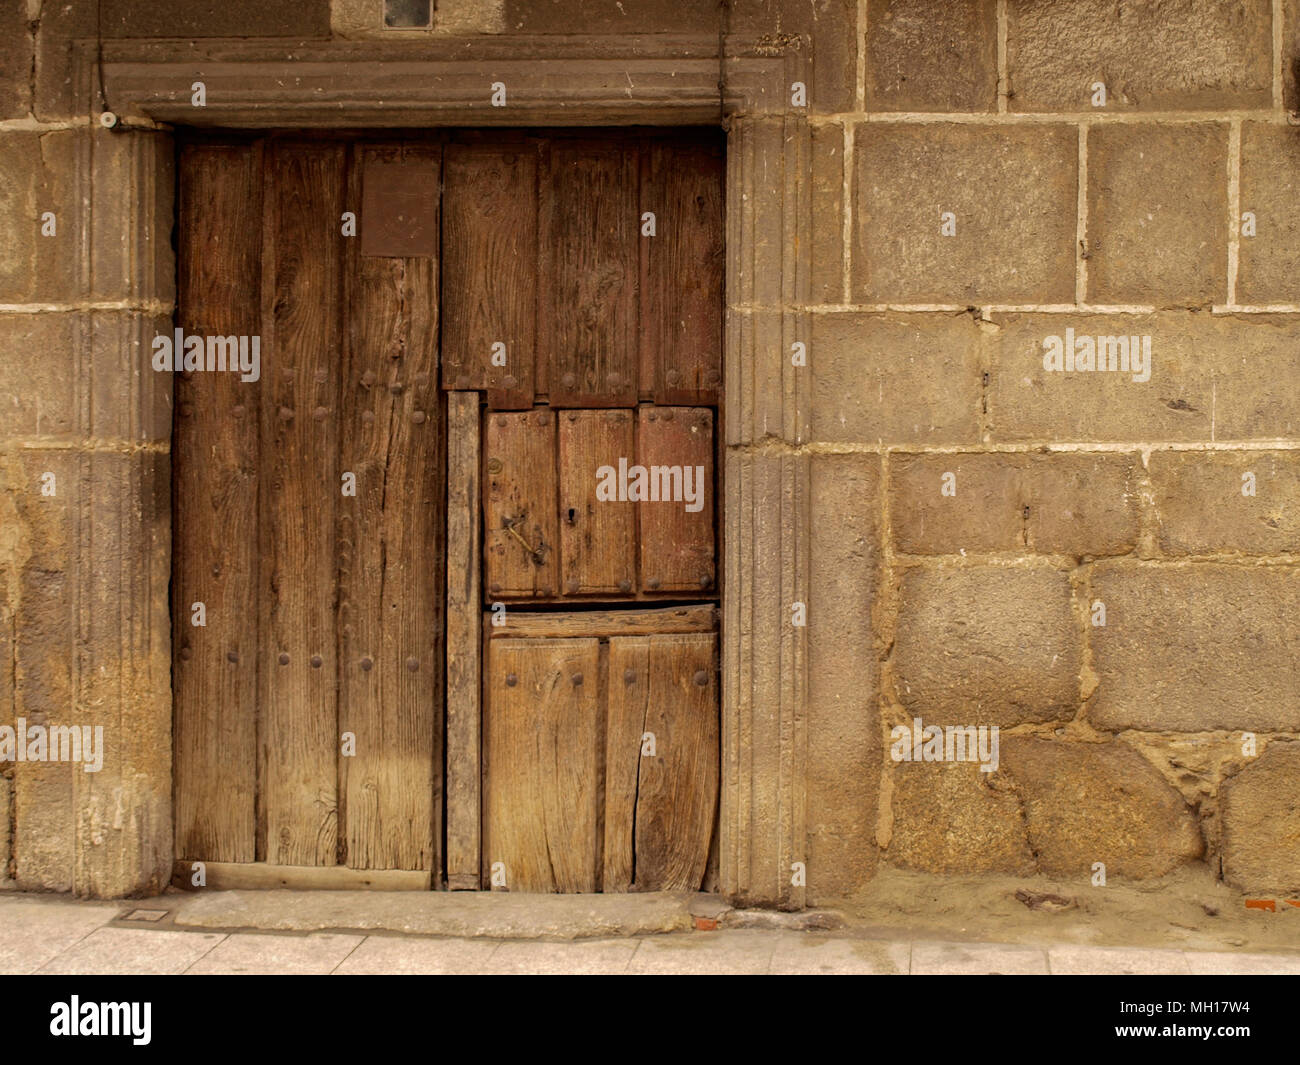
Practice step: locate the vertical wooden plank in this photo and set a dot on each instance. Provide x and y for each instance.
(543, 264)
(597, 530)
(390, 554)
(628, 704)
(675, 447)
(590, 236)
(298, 727)
(683, 272)
(542, 756)
(677, 794)
(214, 470)
(489, 263)
(464, 603)
(519, 503)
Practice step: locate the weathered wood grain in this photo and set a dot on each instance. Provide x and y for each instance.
(677, 791)
(490, 271)
(588, 308)
(519, 518)
(390, 595)
(677, 548)
(298, 734)
(682, 272)
(258, 876)
(464, 628)
(597, 536)
(604, 623)
(214, 532)
(543, 741)
(627, 703)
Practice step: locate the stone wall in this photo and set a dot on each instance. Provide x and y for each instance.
(1101, 579)
(972, 195)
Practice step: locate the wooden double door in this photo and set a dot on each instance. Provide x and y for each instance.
(538, 306)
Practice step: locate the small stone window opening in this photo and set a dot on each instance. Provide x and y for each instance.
(407, 14)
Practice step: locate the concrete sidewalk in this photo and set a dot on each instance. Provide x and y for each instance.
(54, 934)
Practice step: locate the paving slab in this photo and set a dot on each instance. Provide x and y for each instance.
(132, 952)
(493, 915)
(33, 929)
(418, 956)
(1122, 961)
(1216, 962)
(984, 959)
(801, 954)
(261, 953)
(601, 957)
(740, 952)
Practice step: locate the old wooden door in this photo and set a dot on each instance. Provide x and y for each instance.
(553, 452)
(582, 354)
(309, 505)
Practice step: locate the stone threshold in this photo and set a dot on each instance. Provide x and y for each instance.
(467, 914)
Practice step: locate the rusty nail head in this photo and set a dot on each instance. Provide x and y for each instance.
(511, 680)
(673, 377)
(573, 586)
(319, 414)
(462, 382)
(368, 378)
(237, 410)
(316, 661)
(495, 589)
(216, 569)
(366, 663)
(668, 414)
(284, 658)
(502, 419)
(286, 414)
(577, 679)
(395, 388)
(651, 416)
(572, 416)
(569, 380)
(185, 654)
(543, 418)
(412, 664)
(652, 583)
(625, 585)
(701, 678)
(629, 676)
(705, 581)
(417, 416)
(368, 416)
(510, 381)
(232, 656)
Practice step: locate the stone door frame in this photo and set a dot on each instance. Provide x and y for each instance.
(659, 80)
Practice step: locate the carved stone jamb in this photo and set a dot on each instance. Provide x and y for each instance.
(607, 80)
